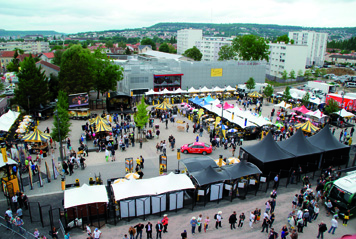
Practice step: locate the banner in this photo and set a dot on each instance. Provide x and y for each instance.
(55, 170)
(162, 164)
(48, 173)
(128, 165)
(217, 121)
(216, 72)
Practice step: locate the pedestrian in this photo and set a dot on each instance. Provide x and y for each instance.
(197, 138)
(67, 236)
(112, 154)
(346, 218)
(218, 219)
(232, 220)
(295, 201)
(300, 224)
(241, 220)
(252, 218)
(272, 218)
(54, 233)
(36, 233)
(142, 162)
(71, 166)
(200, 223)
(193, 223)
(184, 234)
(88, 229)
(272, 234)
(19, 224)
(321, 230)
(187, 127)
(329, 206)
(268, 207)
(139, 228)
(132, 232)
(165, 223)
(273, 205)
(294, 234)
(306, 217)
(125, 237)
(14, 200)
(265, 224)
(276, 180)
(107, 153)
(19, 212)
(166, 123)
(334, 225)
(201, 130)
(206, 224)
(316, 212)
(159, 228)
(97, 233)
(284, 232)
(149, 228)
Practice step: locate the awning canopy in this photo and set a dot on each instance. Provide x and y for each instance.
(344, 113)
(210, 175)
(241, 169)
(317, 114)
(85, 195)
(307, 127)
(151, 92)
(36, 136)
(9, 162)
(164, 106)
(7, 120)
(197, 163)
(153, 186)
(102, 127)
(97, 120)
(325, 140)
(283, 105)
(229, 88)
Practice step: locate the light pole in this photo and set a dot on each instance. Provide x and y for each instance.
(59, 137)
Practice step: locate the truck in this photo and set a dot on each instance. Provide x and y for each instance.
(347, 102)
(325, 88)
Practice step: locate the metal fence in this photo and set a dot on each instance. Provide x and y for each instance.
(16, 230)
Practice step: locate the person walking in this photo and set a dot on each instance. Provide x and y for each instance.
(107, 153)
(316, 212)
(54, 233)
(149, 228)
(159, 228)
(193, 223)
(165, 223)
(252, 218)
(218, 219)
(184, 234)
(132, 232)
(241, 220)
(112, 154)
(271, 219)
(276, 180)
(199, 223)
(346, 218)
(187, 127)
(233, 220)
(334, 225)
(142, 162)
(321, 230)
(139, 228)
(265, 224)
(206, 224)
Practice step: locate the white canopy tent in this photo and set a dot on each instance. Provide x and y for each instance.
(316, 101)
(7, 120)
(165, 91)
(205, 90)
(85, 195)
(229, 88)
(9, 161)
(192, 90)
(317, 114)
(180, 91)
(151, 92)
(344, 113)
(284, 105)
(217, 89)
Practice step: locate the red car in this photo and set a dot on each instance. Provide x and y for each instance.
(197, 148)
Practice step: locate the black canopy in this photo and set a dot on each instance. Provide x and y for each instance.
(210, 175)
(299, 145)
(198, 163)
(267, 150)
(325, 140)
(241, 169)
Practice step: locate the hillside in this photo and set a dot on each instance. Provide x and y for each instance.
(5, 33)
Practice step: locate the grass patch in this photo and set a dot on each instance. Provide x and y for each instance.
(275, 83)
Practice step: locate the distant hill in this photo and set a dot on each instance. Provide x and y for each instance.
(5, 33)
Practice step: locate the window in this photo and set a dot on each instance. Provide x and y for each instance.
(139, 79)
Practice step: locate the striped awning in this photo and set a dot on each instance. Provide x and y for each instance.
(36, 136)
(307, 127)
(102, 127)
(255, 94)
(164, 106)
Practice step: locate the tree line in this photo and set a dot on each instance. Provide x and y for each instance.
(349, 44)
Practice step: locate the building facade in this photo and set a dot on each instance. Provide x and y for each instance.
(286, 57)
(210, 47)
(28, 47)
(186, 39)
(316, 42)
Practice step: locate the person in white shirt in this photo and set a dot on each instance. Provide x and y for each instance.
(218, 220)
(252, 219)
(334, 225)
(9, 212)
(14, 200)
(97, 233)
(88, 230)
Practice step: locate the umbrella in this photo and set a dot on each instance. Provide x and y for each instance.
(232, 130)
(307, 127)
(120, 180)
(102, 127)
(36, 136)
(233, 160)
(132, 176)
(217, 162)
(255, 94)
(164, 106)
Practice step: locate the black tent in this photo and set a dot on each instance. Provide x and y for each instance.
(336, 153)
(303, 150)
(210, 175)
(198, 163)
(241, 169)
(266, 153)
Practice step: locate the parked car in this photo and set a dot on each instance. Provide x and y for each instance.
(197, 148)
(9, 92)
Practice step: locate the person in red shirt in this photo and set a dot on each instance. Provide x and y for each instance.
(165, 223)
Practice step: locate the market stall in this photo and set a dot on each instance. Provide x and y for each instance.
(39, 141)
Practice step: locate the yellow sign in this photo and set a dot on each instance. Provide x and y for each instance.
(178, 155)
(217, 121)
(216, 72)
(4, 155)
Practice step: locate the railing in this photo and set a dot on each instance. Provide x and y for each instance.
(20, 231)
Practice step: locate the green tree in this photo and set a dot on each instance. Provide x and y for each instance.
(141, 116)
(127, 51)
(14, 65)
(193, 53)
(2, 86)
(32, 88)
(164, 47)
(292, 74)
(317, 72)
(63, 115)
(305, 99)
(106, 75)
(332, 106)
(283, 38)
(307, 74)
(323, 72)
(109, 44)
(53, 87)
(77, 70)
(251, 48)
(268, 91)
(300, 73)
(286, 94)
(172, 49)
(57, 57)
(284, 75)
(226, 53)
(149, 41)
(250, 84)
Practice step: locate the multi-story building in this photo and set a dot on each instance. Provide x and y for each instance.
(28, 47)
(186, 39)
(210, 47)
(316, 42)
(286, 57)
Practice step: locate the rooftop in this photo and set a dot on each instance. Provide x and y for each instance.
(47, 64)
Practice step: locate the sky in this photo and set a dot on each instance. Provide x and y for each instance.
(72, 16)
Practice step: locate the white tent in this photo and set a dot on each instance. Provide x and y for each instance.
(165, 91)
(217, 89)
(317, 114)
(179, 91)
(192, 90)
(344, 113)
(151, 186)
(7, 120)
(283, 105)
(151, 92)
(85, 195)
(229, 88)
(316, 101)
(9, 161)
(204, 90)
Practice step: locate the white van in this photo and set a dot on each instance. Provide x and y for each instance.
(351, 84)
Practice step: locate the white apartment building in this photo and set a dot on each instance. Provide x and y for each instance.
(316, 43)
(33, 47)
(286, 57)
(210, 47)
(186, 39)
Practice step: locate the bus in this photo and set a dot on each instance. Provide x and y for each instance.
(342, 194)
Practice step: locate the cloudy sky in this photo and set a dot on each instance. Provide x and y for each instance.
(71, 16)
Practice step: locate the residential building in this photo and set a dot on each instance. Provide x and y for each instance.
(46, 56)
(186, 39)
(34, 47)
(210, 47)
(48, 68)
(5, 58)
(316, 42)
(144, 48)
(336, 58)
(286, 57)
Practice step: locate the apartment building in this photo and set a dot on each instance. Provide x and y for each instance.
(286, 57)
(186, 39)
(316, 42)
(210, 47)
(34, 47)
